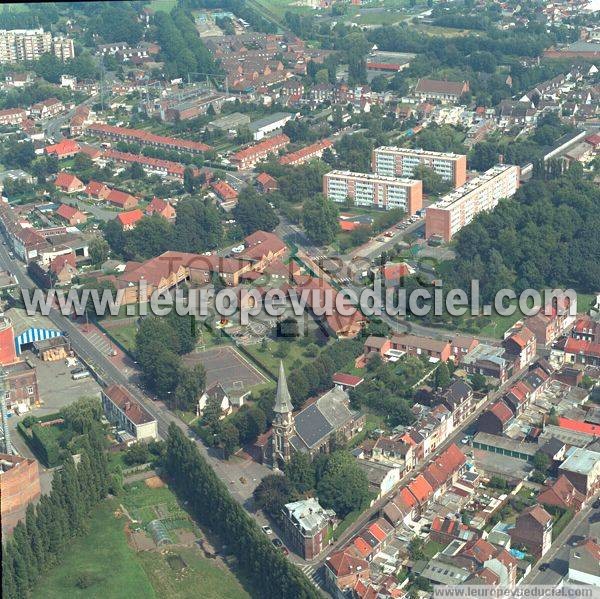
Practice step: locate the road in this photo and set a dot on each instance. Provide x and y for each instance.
(557, 557)
(53, 126)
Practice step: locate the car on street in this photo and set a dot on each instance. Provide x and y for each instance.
(267, 530)
(544, 567)
(596, 504)
(277, 542)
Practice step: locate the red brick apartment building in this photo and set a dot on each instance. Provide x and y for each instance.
(146, 138)
(458, 208)
(307, 527)
(391, 161)
(378, 191)
(155, 165)
(249, 156)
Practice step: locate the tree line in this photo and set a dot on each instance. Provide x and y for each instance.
(211, 504)
(40, 541)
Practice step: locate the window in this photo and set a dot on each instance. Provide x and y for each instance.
(30, 390)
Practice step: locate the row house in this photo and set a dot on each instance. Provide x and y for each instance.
(551, 321)
(413, 345)
(164, 168)
(248, 157)
(262, 248)
(460, 401)
(46, 108)
(520, 344)
(12, 116)
(488, 360)
(305, 154)
(496, 419)
(127, 413)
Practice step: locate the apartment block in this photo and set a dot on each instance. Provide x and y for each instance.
(458, 208)
(392, 161)
(374, 191)
(29, 44)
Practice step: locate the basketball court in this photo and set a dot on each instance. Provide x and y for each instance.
(228, 367)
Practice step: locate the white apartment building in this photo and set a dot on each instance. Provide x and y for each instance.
(374, 191)
(458, 208)
(392, 161)
(29, 44)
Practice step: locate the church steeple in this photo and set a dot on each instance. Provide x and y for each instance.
(283, 402)
(283, 422)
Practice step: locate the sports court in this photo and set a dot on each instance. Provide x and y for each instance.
(228, 367)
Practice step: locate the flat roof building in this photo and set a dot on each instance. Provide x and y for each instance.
(374, 191)
(459, 207)
(392, 161)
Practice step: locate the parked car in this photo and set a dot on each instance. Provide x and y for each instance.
(277, 542)
(267, 530)
(544, 567)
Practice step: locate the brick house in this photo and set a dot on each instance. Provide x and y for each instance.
(495, 419)
(128, 220)
(563, 494)
(415, 345)
(121, 199)
(97, 191)
(459, 399)
(162, 208)
(68, 183)
(533, 530)
(522, 344)
(266, 183)
(307, 527)
(63, 268)
(21, 391)
(71, 215)
(343, 569)
(377, 345)
(123, 409)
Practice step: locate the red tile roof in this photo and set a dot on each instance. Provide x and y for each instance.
(562, 493)
(119, 197)
(95, 189)
(396, 271)
(261, 148)
(349, 380)
(174, 169)
(306, 153)
(66, 180)
(408, 498)
(148, 138)
(582, 347)
(63, 148)
(61, 261)
(580, 427)
(127, 219)
(342, 563)
(121, 397)
(363, 547)
(161, 207)
(224, 190)
(67, 212)
(501, 411)
(420, 488)
(266, 179)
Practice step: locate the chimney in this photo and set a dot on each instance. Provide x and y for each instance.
(500, 158)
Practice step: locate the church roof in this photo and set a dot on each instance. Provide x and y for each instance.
(283, 402)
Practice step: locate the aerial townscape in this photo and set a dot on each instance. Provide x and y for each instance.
(232, 235)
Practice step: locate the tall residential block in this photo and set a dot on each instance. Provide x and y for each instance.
(392, 161)
(29, 44)
(374, 191)
(458, 208)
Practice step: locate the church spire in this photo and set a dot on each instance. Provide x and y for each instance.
(283, 402)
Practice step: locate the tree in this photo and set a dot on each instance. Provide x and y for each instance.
(478, 381)
(228, 438)
(83, 414)
(541, 461)
(301, 472)
(344, 486)
(320, 219)
(115, 236)
(138, 453)
(273, 492)
(136, 171)
(253, 212)
(441, 376)
(189, 180)
(198, 226)
(189, 388)
(98, 250)
(432, 182)
(415, 549)
(152, 236)
(288, 329)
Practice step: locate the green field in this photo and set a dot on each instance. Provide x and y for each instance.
(165, 5)
(104, 558)
(102, 564)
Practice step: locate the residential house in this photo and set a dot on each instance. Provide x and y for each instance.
(414, 345)
(488, 360)
(495, 419)
(562, 494)
(226, 193)
(582, 468)
(445, 530)
(128, 414)
(549, 323)
(46, 108)
(377, 345)
(68, 183)
(128, 220)
(12, 116)
(71, 215)
(97, 191)
(394, 451)
(443, 91)
(461, 346)
(307, 527)
(262, 248)
(162, 208)
(215, 394)
(63, 268)
(459, 399)
(533, 530)
(343, 569)
(66, 148)
(521, 343)
(248, 157)
(266, 183)
(121, 199)
(305, 154)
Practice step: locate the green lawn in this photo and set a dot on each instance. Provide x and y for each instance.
(295, 357)
(432, 547)
(106, 560)
(165, 5)
(124, 334)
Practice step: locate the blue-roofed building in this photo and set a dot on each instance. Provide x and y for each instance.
(31, 335)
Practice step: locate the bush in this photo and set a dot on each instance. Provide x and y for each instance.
(45, 445)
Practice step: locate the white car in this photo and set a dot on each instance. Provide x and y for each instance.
(267, 530)
(238, 249)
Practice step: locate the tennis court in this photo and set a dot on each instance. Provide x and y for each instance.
(228, 367)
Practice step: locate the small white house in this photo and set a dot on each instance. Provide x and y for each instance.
(214, 393)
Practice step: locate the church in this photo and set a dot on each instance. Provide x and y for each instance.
(313, 428)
